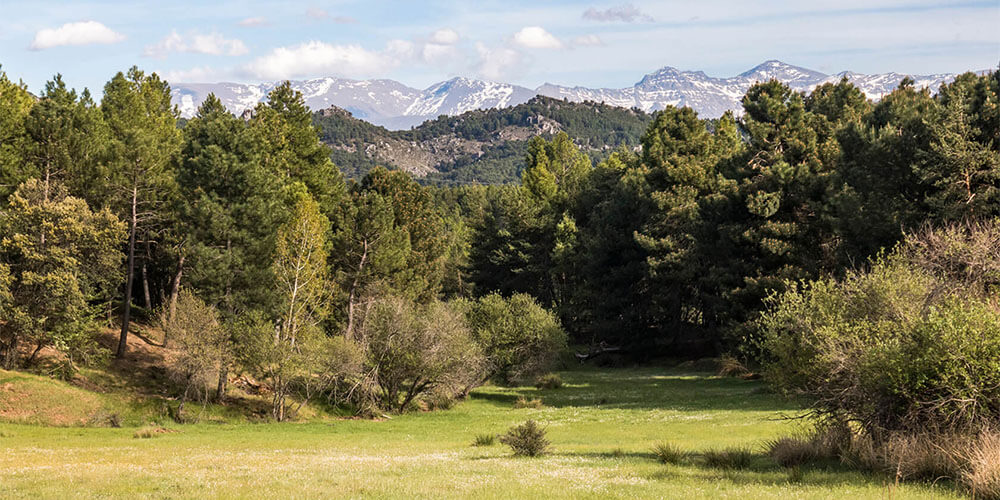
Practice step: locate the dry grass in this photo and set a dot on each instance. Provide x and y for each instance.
(793, 452)
(730, 366)
(151, 431)
(523, 402)
(924, 456)
(982, 477)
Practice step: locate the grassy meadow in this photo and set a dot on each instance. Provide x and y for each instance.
(602, 425)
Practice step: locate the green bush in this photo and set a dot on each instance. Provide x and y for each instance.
(527, 439)
(520, 338)
(911, 343)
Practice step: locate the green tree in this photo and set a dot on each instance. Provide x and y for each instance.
(68, 141)
(964, 168)
(15, 104)
(230, 210)
(58, 257)
(144, 145)
(286, 143)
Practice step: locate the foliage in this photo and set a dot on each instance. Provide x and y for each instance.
(905, 344)
(411, 350)
(519, 338)
(527, 439)
(523, 402)
(57, 257)
(203, 343)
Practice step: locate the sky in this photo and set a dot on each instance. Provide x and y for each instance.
(525, 42)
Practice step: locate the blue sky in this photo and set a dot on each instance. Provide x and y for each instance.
(589, 43)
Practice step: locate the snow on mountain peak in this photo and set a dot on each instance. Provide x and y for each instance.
(394, 105)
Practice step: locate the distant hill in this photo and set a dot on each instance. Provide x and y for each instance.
(396, 106)
(481, 146)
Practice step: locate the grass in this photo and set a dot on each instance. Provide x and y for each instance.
(597, 451)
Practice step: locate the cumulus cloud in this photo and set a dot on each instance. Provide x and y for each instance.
(202, 74)
(318, 58)
(251, 22)
(81, 33)
(196, 43)
(535, 37)
(445, 36)
(587, 41)
(496, 63)
(626, 13)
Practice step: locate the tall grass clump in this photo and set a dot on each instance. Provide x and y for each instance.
(982, 477)
(669, 453)
(484, 440)
(728, 458)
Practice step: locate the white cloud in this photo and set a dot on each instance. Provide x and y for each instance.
(202, 74)
(253, 22)
(535, 37)
(446, 36)
(322, 59)
(587, 41)
(626, 13)
(81, 33)
(497, 63)
(317, 14)
(196, 43)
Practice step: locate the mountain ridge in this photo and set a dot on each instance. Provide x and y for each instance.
(396, 106)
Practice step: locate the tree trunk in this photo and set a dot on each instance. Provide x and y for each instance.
(145, 277)
(220, 391)
(129, 276)
(10, 354)
(175, 290)
(349, 334)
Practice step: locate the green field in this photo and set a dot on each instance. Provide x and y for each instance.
(602, 425)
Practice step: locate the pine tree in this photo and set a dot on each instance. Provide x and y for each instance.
(15, 104)
(144, 145)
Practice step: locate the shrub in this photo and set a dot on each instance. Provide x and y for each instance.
(982, 477)
(484, 440)
(668, 453)
(523, 402)
(527, 439)
(413, 350)
(728, 458)
(910, 344)
(519, 338)
(549, 381)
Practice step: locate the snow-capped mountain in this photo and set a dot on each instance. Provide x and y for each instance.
(382, 102)
(396, 106)
(711, 97)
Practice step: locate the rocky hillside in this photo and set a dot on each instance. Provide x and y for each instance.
(484, 146)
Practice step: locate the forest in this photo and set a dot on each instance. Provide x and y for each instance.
(845, 250)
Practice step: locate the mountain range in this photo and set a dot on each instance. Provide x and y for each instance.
(396, 106)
